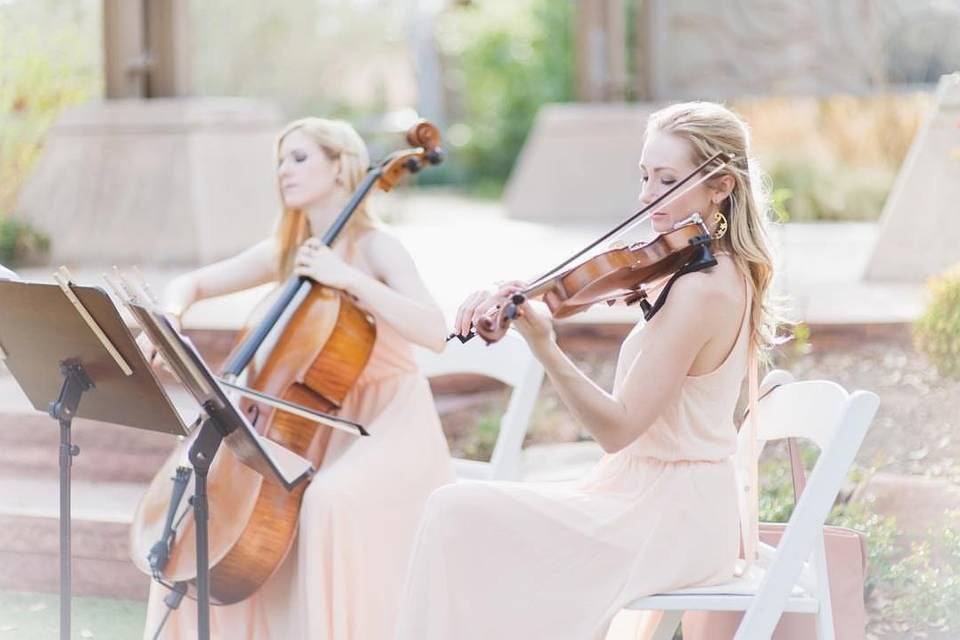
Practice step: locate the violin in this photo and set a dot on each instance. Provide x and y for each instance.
(620, 274)
(324, 344)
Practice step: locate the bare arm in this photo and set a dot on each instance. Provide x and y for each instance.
(252, 267)
(667, 349)
(398, 293)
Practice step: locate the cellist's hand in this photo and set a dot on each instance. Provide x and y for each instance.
(318, 262)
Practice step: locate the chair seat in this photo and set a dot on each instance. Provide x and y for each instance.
(472, 469)
(736, 595)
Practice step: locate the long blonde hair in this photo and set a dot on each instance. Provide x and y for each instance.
(711, 128)
(339, 141)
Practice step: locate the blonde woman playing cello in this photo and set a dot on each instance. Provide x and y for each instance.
(343, 577)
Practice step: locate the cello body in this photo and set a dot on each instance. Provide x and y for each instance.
(254, 519)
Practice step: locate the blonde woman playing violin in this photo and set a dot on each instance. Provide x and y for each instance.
(515, 561)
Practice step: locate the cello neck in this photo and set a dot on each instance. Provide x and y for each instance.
(292, 287)
(368, 181)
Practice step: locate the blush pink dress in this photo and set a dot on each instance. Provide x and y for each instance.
(557, 561)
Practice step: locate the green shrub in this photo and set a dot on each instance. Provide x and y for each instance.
(809, 191)
(48, 61)
(481, 441)
(925, 584)
(506, 60)
(937, 331)
(20, 243)
(777, 503)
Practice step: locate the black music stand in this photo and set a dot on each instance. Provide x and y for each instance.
(62, 344)
(221, 421)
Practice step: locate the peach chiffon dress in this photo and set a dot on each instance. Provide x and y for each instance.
(344, 576)
(557, 561)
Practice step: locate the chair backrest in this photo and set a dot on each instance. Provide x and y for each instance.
(837, 421)
(511, 362)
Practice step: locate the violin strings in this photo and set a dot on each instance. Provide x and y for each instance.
(638, 217)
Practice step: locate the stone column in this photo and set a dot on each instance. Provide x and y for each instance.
(124, 49)
(919, 236)
(601, 72)
(145, 48)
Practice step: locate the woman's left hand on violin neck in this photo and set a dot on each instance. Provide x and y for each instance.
(318, 262)
(533, 321)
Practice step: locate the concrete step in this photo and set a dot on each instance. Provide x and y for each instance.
(30, 536)
(30, 558)
(29, 448)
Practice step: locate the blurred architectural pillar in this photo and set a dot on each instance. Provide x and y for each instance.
(422, 28)
(168, 181)
(642, 55)
(601, 54)
(145, 48)
(150, 175)
(579, 164)
(919, 237)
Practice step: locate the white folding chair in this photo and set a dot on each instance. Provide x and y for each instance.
(793, 576)
(511, 362)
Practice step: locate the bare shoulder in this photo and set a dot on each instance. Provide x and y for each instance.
(383, 250)
(379, 238)
(718, 289)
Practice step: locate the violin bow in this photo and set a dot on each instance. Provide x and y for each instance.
(667, 197)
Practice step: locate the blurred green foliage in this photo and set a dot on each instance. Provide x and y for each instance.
(920, 581)
(49, 60)
(506, 60)
(937, 331)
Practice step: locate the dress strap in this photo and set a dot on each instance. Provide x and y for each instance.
(746, 458)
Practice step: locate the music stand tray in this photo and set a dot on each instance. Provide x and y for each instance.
(64, 345)
(222, 422)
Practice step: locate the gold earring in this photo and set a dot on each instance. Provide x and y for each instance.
(720, 225)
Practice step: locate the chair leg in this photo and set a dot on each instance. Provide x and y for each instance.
(824, 625)
(667, 626)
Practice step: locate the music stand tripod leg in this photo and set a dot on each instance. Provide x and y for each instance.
(75, 383)
(202, 451)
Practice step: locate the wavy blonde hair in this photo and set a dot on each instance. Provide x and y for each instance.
(711, 128)
(339, 141)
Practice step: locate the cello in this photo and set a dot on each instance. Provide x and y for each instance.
(321, 343)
